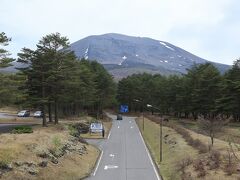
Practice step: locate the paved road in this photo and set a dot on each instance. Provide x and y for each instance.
(124, 154)
(4, 128)
(7, 116)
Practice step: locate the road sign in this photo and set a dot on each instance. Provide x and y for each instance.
(124, 108)
(96, 127)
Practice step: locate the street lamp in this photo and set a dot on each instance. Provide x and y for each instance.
(139, 101)
(160, 151)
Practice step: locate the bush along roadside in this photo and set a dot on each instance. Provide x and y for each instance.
(22, 129)
(78, 128)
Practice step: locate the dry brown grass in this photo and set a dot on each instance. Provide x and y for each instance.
(172, 156)
(9, 110)
(23, 147)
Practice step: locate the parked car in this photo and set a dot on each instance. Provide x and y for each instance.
(24, 113)
(38, 114)
(119, 117)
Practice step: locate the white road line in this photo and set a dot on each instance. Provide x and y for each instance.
(110, 167)
(118, 127)
(94, 173)
(131, 127)
(154, 167)
(109, 134)
(111, 155)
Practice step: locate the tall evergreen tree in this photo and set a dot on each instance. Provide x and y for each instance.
(4, 59)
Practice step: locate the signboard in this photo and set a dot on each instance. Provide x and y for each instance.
(96, 127)
(124, 108)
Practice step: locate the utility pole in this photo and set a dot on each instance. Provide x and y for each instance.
(160, 132)
(137, 100)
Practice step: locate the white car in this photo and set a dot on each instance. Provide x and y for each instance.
(24, 113)
(38, 114)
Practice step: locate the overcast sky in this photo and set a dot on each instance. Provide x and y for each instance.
(207, 28)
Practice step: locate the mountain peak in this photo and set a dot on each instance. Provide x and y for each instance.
(120, 51)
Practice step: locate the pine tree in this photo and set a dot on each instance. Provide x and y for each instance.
(4, 59)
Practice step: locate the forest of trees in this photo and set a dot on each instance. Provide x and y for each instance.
(202, 91)
(56, 82)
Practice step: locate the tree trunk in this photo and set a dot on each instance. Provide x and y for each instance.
(49, 112)
(56, 111)
(212, 140)
(44, 122)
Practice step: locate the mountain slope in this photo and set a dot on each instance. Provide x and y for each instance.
(121, 52)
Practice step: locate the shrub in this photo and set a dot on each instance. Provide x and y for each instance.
(199, 166)
(57, 147)
(182, 164)
(230, 167)
(56, 142)
(78, 128)
(73, 131)
(22, 129)
(214, 157)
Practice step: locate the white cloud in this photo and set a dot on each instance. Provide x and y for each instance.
(28, 20)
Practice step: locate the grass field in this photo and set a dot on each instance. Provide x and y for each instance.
(175, 149)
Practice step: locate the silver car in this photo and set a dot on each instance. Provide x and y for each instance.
(38, 114)
(24, 113)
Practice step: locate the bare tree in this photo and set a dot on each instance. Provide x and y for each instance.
(211, 125)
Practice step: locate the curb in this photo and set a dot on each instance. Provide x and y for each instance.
(95, 164)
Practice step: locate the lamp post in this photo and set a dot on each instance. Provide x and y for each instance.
(160, 151)
(139, 101)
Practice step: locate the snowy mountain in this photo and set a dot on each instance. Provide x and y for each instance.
(124, 55)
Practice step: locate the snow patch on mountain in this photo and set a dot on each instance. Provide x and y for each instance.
(124, 58)
(86, 54)
(166, 46)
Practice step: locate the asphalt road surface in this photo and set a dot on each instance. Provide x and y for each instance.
(6, 116)
(124, 154)
(4, 128)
